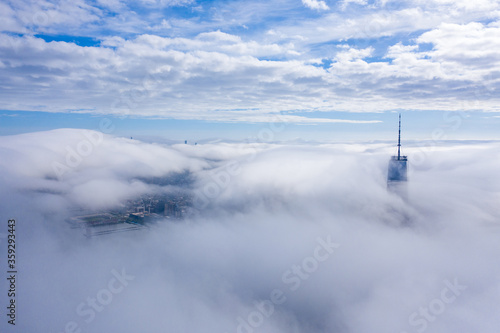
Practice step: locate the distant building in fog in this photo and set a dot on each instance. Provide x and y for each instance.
(173, 209)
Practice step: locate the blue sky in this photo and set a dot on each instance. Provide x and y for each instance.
(226, 69)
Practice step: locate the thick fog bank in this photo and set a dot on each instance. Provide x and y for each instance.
(280, 238)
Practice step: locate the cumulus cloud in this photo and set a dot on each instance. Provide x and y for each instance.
(353, 54)
(271, 207)
(471, 45)
(219, 72)
(142, 64)
(315, 4)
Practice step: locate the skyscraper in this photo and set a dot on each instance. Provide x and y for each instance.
(397, 173)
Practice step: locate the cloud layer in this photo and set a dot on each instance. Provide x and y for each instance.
(270, 211)
(251, 64)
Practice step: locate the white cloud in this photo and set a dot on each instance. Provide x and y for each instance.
(345, 3)
(219, 72)
(48, 16)
(8, 19)
(315, 4)
(167, 3)
(377, 21)
(283, 69)
(472, 45)
(353, 54)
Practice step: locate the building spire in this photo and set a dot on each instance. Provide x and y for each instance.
(399, 138)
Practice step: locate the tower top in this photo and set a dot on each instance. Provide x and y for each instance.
(399, 138)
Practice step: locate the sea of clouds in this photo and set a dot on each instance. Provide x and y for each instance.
(281, 237)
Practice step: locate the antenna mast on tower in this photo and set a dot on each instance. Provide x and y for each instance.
(399, 139)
